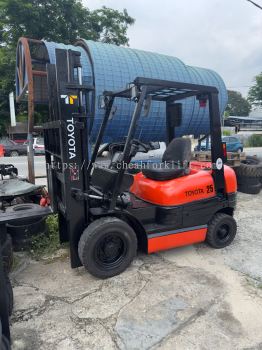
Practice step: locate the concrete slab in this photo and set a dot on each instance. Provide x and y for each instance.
(188, 298)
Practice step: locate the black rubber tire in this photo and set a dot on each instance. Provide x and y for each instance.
(22, 234)
(9, 294)
(249, 189)
(251, 160)
(248, 184)
(4, 342)
(24, 207)
(217, 223)
(248, 180)
(8, 254)
(248, 168)
(95, 233)
(14, 154)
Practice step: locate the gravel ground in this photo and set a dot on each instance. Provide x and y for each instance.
(187, 298)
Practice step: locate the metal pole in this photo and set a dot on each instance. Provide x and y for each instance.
(30, 158)
(30, 149)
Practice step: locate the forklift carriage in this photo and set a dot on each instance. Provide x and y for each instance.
(106, 213)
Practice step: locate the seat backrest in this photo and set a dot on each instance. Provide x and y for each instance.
(178, 151)
(105, 179)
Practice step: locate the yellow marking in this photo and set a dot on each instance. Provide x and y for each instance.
(72, 98)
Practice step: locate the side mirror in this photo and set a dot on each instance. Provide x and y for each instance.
(101, 102)
(174, 114)
(133, 92)
(147, 105)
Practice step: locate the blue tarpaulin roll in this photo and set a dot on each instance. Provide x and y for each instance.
(111, 67)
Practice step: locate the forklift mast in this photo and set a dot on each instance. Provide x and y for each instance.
(66, 146)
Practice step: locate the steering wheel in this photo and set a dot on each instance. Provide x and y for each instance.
(144, 146)
(136, 144)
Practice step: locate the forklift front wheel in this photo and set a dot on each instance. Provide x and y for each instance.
(107, 247)
(221, 230)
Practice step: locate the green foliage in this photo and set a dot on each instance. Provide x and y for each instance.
(254, 140)
(43, 244)
(226, 132)
(255, 92)
(54, 20)
(237, 104)
(7, 76)
(110, 26)
(226, 114)
(62, 21)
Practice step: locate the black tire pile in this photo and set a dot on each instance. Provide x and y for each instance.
(7, 260)
(5, 344)
(249, 175)
(22, 231)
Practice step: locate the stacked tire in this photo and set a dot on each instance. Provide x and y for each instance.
(7, 253)
(4, 338)
(7, 256)
(249, 175)
(6, 292)
(24, 230)
(4, 342)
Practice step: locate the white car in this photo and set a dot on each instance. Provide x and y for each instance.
(152, 155)
(38, 145)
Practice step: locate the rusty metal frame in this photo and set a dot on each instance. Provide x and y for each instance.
(31, 103)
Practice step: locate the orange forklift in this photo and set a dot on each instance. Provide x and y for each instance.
(107, 213)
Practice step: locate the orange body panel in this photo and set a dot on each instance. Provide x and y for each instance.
(2, 151)
(176, 240)
(198, 185)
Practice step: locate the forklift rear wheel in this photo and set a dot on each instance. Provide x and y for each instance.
(221, 231)
(107, 247)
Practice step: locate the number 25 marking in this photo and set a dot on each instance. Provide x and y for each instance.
(210, 189)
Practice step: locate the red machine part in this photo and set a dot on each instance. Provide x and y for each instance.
(198, 185)
(180, 239)
(45, 200)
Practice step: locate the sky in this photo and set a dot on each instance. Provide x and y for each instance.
(224, 35)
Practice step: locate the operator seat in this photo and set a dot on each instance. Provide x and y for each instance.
(175, 161)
